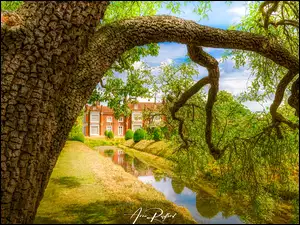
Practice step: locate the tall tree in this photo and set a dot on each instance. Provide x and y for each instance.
(53, 54)
(119, 92)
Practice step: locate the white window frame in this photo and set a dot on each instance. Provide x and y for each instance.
(95, 114)
(110, 129)
(120, 119)
(135, 106)
(109, 119)
(120, 152)
(133, 125)
(83, 130)
(137, 114)
(94, 125)
(120, 133)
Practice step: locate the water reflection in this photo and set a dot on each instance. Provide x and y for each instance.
(203, 207)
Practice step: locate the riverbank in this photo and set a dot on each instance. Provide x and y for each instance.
(88, 188)
(151, 152)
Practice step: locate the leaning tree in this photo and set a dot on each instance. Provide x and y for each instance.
(52, 56)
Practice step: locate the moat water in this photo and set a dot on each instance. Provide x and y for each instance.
(203, 207)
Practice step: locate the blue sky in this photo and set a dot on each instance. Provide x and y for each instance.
(222, 16)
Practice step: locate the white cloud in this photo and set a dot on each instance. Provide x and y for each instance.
(256, 106)
(168, 51)
(219, 16)
(239, 11)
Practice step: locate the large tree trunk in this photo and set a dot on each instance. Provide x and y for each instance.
(51, 61)
(40, 56)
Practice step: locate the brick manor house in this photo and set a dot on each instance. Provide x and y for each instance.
(98, 118)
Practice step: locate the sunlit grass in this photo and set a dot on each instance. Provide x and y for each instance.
(101, 141)
(88, 188)
(159, 148)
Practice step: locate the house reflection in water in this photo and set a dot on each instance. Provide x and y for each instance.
(131, 165)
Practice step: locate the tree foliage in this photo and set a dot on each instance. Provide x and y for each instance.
(157, 134)
(273, 23)
(76, 132)
(129, 134)
(119, 93)
(139, 134)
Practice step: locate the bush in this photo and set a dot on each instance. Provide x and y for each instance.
(157, 134)
(78, 137)
(105, 133)
(129, 134)
(76, 131)
(166, 133)
(110, 134)
(139, 134)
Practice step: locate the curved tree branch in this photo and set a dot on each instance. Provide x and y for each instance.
(278, 99)
(112, 40)
(293, 100)
(116, 38)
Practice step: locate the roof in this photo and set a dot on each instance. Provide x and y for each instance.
(141, 106)
(106, 109)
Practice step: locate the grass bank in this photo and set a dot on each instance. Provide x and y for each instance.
(158, 148)
(88, 188)
(102, 141)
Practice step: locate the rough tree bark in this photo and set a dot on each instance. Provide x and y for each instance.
(40, 57)
(51, 62)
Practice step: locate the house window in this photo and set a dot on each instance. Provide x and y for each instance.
(120, 119)
(109, 119)
(135, 106)
(120, 152)
(120, 130)
(135, 127)
(108, 128)
(95, 130)
(84, 130)
(95, 117)
(136, 116)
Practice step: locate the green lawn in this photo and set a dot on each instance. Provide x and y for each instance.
(88, 188)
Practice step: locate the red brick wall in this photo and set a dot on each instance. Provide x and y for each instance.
(87, 130)
(127, 123)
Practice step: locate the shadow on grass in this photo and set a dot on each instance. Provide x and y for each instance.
(114, 212)
(68, 182)
(46, 220)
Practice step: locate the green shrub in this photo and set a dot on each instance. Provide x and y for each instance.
(105, 133)
(157, 134)
(76, 131)
(110, 134)
(129, 134)
(149, 131)
(139, 134)
(109, 152)
(166, 132)
(78, 137)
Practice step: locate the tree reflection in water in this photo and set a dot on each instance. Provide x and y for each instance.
(158, 175)
(109, 152)
(140, 166)
(177, 185)
(206, 204)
